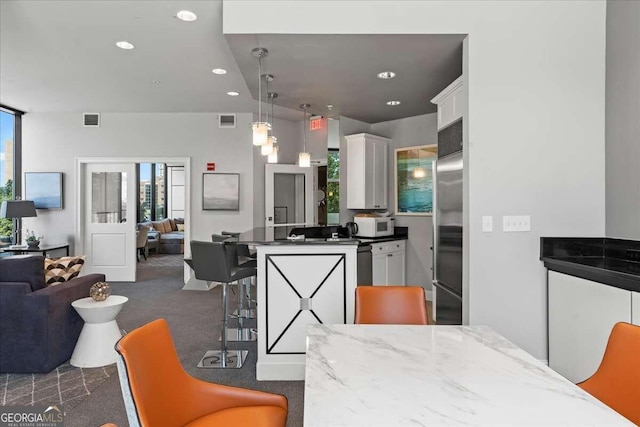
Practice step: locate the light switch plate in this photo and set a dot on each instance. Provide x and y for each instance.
(516, 223)
(487, 224)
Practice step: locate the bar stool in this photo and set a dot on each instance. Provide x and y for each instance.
(217, 262)
(245, 259)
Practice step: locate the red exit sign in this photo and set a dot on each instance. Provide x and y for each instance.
(315, 124)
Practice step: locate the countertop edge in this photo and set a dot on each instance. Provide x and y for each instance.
(607, 277)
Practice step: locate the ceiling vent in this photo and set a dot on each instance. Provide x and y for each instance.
(92, 120)
(227, 120)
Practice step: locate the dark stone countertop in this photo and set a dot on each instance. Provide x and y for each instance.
(613, 262)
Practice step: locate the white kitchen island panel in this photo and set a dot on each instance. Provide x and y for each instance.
(300, 285)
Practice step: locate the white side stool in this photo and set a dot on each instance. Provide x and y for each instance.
(95, 346)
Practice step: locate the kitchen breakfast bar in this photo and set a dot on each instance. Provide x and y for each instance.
(299, 283)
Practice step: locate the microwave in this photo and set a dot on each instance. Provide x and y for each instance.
(374, 226)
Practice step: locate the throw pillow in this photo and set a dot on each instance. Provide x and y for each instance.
(173, 225)
(167, 225)
(180, 227)
(59, 270)
(158, 226)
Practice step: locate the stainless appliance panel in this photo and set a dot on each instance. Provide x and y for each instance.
(449, 306)
(364, 265)
(448, 243)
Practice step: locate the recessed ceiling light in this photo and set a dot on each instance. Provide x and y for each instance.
(187, 16)
(155, 82)
(125, 45)
(393, 102)
(219, 71)
(386, 75)
(232, 93)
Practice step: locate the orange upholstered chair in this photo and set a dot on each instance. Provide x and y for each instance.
(158, 392)
(394, 305)
(617, 381)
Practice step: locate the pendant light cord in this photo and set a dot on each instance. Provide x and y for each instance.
(304, 129)
(260, 88)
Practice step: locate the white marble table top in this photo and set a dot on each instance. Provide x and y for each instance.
(388, 375)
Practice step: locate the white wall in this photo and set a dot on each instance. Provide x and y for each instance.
(535, 144)
(623, 119)
(51, 142)
(409, 132)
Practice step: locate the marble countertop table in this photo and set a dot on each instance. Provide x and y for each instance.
(391, 375)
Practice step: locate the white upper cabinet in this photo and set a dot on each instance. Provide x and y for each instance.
(451, 103)
(367, 171)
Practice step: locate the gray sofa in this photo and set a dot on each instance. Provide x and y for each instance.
(170, 239)
(38, 326)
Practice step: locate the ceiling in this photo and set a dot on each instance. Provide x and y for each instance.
(61, 57)
(341, 70)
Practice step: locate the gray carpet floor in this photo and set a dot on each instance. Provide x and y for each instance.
(194, 318)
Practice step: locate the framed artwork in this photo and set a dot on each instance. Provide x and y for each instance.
(44, 189)
(414, 179)
(221, 191)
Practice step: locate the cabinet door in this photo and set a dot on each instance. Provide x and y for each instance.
(379, 270)
(635, 305)
(380, 165)
(395, 268)
(581, 316)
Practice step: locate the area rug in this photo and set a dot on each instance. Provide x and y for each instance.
(66, 385)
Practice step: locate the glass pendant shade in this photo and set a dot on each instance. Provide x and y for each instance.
(267, 147)
(304, 160)
(273, 157)
(260, 132)
(419, 173)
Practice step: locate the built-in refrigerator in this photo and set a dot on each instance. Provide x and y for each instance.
(447, 226)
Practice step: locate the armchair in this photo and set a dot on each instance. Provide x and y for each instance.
(38, 326)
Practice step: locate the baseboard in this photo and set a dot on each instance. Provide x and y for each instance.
(428, 295)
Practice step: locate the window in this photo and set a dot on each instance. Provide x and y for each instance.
(333, 187)
(152, 181)
(10, 132)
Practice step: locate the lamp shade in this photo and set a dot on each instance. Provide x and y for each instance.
(17, 209)
(267, 147)
(273, 157)
(260, 132)
(304, 160)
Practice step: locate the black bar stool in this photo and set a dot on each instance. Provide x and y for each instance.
(245, 259)
(217, 262)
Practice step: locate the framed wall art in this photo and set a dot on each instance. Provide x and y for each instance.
(44, 189)
(221, 191)
(414, 179)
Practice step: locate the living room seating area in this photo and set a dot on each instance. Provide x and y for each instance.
(39, 326)
(166, 236)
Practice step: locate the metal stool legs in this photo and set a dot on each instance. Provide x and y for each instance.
(223, 358)
(241, 333)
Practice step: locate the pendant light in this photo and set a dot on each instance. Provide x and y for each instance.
(273, 156)
(419, 172)
(267, 147)
(260, 129)
(304, 158)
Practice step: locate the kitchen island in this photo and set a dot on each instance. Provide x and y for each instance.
(592, 283)
(299, 283)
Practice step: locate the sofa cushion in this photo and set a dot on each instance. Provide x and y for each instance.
(173, 237)
(23, 268)
(173, 225)
(59, 270)
(167, 225)
(158, 226)
(180, 227)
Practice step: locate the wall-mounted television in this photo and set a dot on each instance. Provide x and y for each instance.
(44, 189)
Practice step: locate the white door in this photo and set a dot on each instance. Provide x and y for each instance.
(109, 220)
(289, 197)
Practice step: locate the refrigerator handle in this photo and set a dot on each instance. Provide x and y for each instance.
(434, 220)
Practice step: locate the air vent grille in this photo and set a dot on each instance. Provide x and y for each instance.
(227, 120)
(91, 120)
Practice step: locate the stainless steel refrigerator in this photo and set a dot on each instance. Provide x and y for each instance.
(447, 227)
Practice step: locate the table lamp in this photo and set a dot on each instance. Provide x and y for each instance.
(17, 209)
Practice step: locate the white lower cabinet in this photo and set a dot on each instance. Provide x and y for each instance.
(388, 263)
(635, 308)
(581, 316)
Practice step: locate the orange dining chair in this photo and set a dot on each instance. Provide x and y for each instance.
(616, 383)
(393, 305)
(158, 392)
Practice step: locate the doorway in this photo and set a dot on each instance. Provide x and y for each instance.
(103, 197)
(289, 198)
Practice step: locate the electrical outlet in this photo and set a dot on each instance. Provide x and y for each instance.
(516, 223)
(487, 224)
